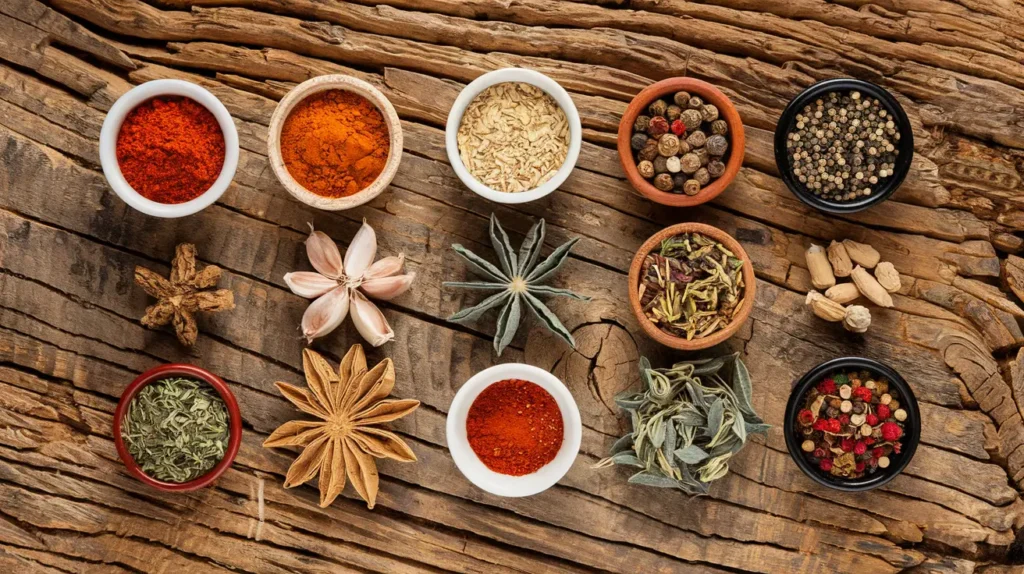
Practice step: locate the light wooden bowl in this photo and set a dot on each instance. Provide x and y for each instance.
(320, 84)
(749, 281)
(710, 95)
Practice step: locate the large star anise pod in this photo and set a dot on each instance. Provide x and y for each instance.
(351, 404)
(181, 295)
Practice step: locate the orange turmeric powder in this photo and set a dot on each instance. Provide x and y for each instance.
(335, 143)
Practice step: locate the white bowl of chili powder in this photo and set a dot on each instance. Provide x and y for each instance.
(514, 430)
(169, 148)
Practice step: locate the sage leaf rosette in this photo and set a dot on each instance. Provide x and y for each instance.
(688, 421)
(517, 280)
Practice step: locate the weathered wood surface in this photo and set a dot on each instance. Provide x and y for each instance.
(70, 339)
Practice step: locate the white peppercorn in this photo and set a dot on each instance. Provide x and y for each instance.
(703, 176)
(672, 164)
(691, 187)
(646, 169)
(668, 145)
(690, 163)
(697, 139)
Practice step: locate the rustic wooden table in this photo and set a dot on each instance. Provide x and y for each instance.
(70, 339)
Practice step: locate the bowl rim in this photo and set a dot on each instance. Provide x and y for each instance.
(680, 343)
(912, 430)
(500, 76)
(903, 161)
(322, 84)
(161, 372)
(501, 484)
(727, 111)
(112, 128)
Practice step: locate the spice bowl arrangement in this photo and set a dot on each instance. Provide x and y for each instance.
(513, 135)
(681, 142)
(691, 286)
(168, 148)
(177, 427)
(514, 430)
(852, 424)
(335, 142)
(843, 145)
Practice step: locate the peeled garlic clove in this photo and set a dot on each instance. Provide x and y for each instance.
(870, 287)
(323, 254)
(361, 251)
(308, 284)
(369, 321)
(824, 308)
(385, 267)
(387, 288)
(888, 277)
(843, 293)
(819, 267)
(861, 253)
(325, 314)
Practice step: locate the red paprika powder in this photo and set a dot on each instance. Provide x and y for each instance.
(515, 427)
(170, 149)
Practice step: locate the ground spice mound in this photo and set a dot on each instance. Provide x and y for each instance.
(170, 149)
(335, 143)
(515, 427)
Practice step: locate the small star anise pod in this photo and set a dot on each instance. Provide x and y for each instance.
(184, 293)
(351, 405)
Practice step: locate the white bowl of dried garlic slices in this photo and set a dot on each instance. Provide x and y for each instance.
(513, 135)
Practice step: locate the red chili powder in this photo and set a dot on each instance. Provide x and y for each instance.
(515, 427)
(170, 149)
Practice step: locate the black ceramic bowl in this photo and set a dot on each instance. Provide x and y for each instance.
(788, 121)
(911, 430)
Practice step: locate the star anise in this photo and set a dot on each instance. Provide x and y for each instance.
(183, 294)
(351, 405)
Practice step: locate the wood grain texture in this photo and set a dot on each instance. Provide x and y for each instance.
(70, 340)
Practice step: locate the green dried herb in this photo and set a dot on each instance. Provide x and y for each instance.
(518, 282)
(692, 287)
(176, 429)
(688, 421)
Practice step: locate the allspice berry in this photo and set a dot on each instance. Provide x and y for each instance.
(681, 99)
(690, 163)
(663, 181)
(657, 108)
(709, 112)
(719, 127)
(691, 187)
(668, 145)
(673, 164)
(717, 145)
(649, 152)
(716, 168)
(660, 164)
(638, 141)
(641, 123)
(691, 119)
(697, 139)
(646, 169)
(702, 176)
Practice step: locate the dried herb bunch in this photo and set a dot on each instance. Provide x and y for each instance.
(186, 292)
(851, 424)
(176, 429)
(518, 283)
(692, 286)
(688, 421)
(351, 405)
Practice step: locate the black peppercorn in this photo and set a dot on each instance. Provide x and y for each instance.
(660, 164)
(673, 112)
(657, 108)
(716, 168)
(719, 127)
(649, 152)
(641, 123)
(638, 141)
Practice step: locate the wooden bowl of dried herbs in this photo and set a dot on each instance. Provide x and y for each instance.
(177, 427)
(691, 286)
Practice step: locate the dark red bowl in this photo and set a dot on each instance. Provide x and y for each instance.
(234, 422)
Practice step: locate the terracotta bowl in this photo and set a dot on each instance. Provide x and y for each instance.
(348, 84)
(192, 372)
(711, 95)
(718, 336)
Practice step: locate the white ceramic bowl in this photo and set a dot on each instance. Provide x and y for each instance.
(502, 484)
(112, 126)
(348, 84)
(499, 77)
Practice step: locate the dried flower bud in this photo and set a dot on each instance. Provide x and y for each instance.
(646, 169)
(702, 176)
(649, 152)
(691, 119)
(690, 163)
(717, 145)
(681, 99)
(657, 107)
(641, 123)
(668, 145)
(638, 141)
(691, 187)
(709, 112)
(719, 127)
(697, 139)
(672, 113)
(660, 164)
(694, 103)
(716, 168)
(657, 127)
(663, 181)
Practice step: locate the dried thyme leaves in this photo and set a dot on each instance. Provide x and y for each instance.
(513, 137)
(688, 421)
(176, 429)
(692, 286)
